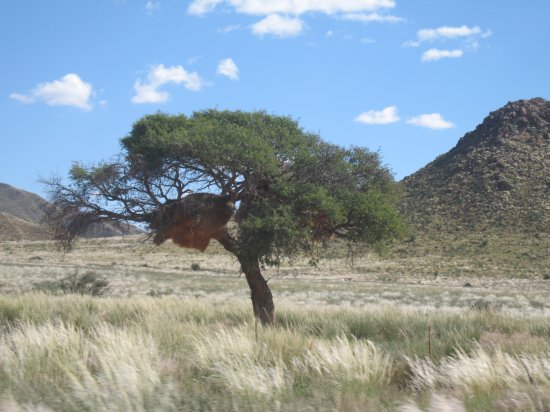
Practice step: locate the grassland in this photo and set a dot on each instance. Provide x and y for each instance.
(416, 330)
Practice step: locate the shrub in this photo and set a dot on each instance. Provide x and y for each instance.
(158, 292)
(89, 283)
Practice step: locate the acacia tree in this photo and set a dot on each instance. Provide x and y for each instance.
(281, 189)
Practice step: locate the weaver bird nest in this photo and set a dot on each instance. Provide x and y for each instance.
(193, 221)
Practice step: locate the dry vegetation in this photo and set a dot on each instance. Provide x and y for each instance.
(174, 330)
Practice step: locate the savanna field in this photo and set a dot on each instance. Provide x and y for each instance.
(275, 205)
(121, 325)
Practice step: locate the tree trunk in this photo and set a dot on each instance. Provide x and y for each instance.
(262, 300)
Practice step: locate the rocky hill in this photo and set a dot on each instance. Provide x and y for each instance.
(22, 204)
(13, 228)
(496, 177)
(22, 212)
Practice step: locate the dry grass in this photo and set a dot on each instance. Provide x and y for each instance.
(85, 353)
(346, 338)
(136, 268)
(147, 354)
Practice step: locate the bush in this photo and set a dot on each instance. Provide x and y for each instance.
(158, 292)
(89, 283)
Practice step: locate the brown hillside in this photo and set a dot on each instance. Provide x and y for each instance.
(496, 177)
(13, 228)
(22, 204)
(22, 213)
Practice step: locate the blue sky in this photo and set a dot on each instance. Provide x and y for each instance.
(407, 78)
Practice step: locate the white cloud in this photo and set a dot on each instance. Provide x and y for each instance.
(229, 28)
(151, 6)
(431, 121)
(70, 90)
(193, 60)
(278, 26)
(21, 98)
(329, 33)
(292, 7)
(228, 68)
(158, 76)
(487, 33)
(411, 43)
(372, 17)
(447, 32)
(281, 17)
(202, 6)
(437, 54)
(384, 116)
(367, 40)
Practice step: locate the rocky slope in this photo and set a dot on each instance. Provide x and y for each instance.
(22, 204)
(13, 228)
(496, 177)
(22, 212)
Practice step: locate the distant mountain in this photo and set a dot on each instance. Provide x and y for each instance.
(496, 177)
(19, 203)
(14, 228)
(22, 212)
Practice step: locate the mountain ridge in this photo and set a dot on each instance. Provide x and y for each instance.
(22, 214)
(497, 177)
(21, 203)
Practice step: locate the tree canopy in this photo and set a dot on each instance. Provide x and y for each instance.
(285, 188)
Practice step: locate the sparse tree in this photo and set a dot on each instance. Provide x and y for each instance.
(257, 183)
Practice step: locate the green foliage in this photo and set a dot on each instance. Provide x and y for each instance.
(292, 189)
(325, 192)
(295, 188)
(244, 142)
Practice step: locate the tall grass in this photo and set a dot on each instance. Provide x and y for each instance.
(480, 370)
(78, 353)
(104, 370)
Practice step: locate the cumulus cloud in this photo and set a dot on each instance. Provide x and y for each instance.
(432, 121)
(21, 98)
(151, 6)
(158, 76)
(200, 7)
(281, 17)
(385, 116)
(437, 54)
(278, 26)
(229, 28)
(447, 32)
(291, 7)
(367, 40)
(193, 60)
(70, 90)
(228, 68)
(277, 11)
(372, 17)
